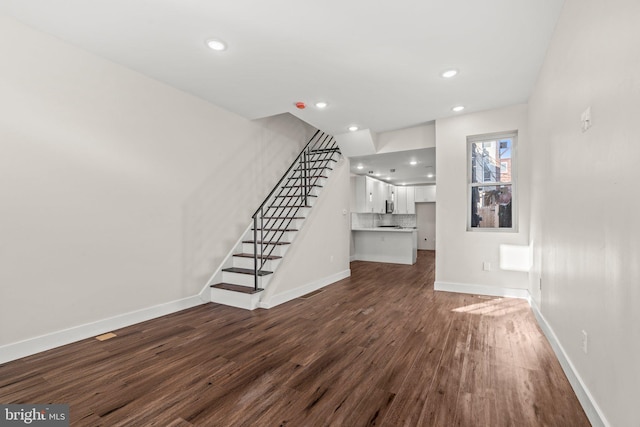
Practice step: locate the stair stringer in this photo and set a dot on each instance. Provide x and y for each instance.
(252, 301)
(326, 232)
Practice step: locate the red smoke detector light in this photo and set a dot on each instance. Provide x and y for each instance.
(300, 105)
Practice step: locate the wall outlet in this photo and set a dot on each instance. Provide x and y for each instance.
(486, 266)
(585, 342)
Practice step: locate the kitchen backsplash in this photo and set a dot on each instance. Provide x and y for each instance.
(372, 220)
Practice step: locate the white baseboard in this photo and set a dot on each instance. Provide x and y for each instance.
(591, 408)
(35, 345)
(384, 258)
(464, 288)
(289, 295)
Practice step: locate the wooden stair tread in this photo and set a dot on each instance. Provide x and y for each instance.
(267, 243)
(288, 207)
(301, 185)
(268, 257)
(298, 195)
(283, 217)
(308, 177)
(246, 271)
(237, 288)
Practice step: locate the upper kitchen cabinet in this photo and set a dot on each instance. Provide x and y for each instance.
(425, 193)
(405, 200)
(370, 195)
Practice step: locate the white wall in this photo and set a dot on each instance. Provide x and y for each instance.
(426, 223)
(358, 143)
(320, 250)
(117, 192)
(412, 138)
(585, 226)
(461, 253)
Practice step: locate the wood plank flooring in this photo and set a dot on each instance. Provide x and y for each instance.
(379, 348)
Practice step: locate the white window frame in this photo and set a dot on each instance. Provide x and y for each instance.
(513, 135)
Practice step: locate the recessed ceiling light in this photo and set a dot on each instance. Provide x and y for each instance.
(378, 174)
(353, 128)
(430, 175)
(413, 163)
(458, 108)
(449, 73)
(321, 104)
(216, 44)
(388, 177)
(360, 166)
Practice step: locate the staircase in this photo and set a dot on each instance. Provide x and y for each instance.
(251, 264)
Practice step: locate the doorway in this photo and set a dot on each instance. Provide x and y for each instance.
(426, 223)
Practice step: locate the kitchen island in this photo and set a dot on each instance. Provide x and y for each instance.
(385, 244)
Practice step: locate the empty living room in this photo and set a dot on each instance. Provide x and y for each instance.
(243, 213)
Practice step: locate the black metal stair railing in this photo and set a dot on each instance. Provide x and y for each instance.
(292, 193)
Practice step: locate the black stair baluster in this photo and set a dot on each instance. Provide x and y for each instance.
(255, 252)
(315, 156)
(261, 238)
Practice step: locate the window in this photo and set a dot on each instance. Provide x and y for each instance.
(491, 188)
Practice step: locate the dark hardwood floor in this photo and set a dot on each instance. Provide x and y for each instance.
(379, 348)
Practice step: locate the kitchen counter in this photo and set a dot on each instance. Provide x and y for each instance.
(392, 229)
(385, 244)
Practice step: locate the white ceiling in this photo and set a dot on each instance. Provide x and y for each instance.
(376, 63)
(379, 166)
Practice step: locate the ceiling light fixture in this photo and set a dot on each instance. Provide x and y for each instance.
(458, 108)
(353, 128)
(413, 163)
(449, 73)
(360, 167)
(430, 175)
(321, 104)
(216, 44)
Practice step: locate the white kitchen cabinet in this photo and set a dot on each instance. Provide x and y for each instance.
(359, 194)
(392, 195)
(425, 193)
(405, 200)
(401, 200)
(370, 195)
(380, 196)
(411, 200)
(386, 245)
